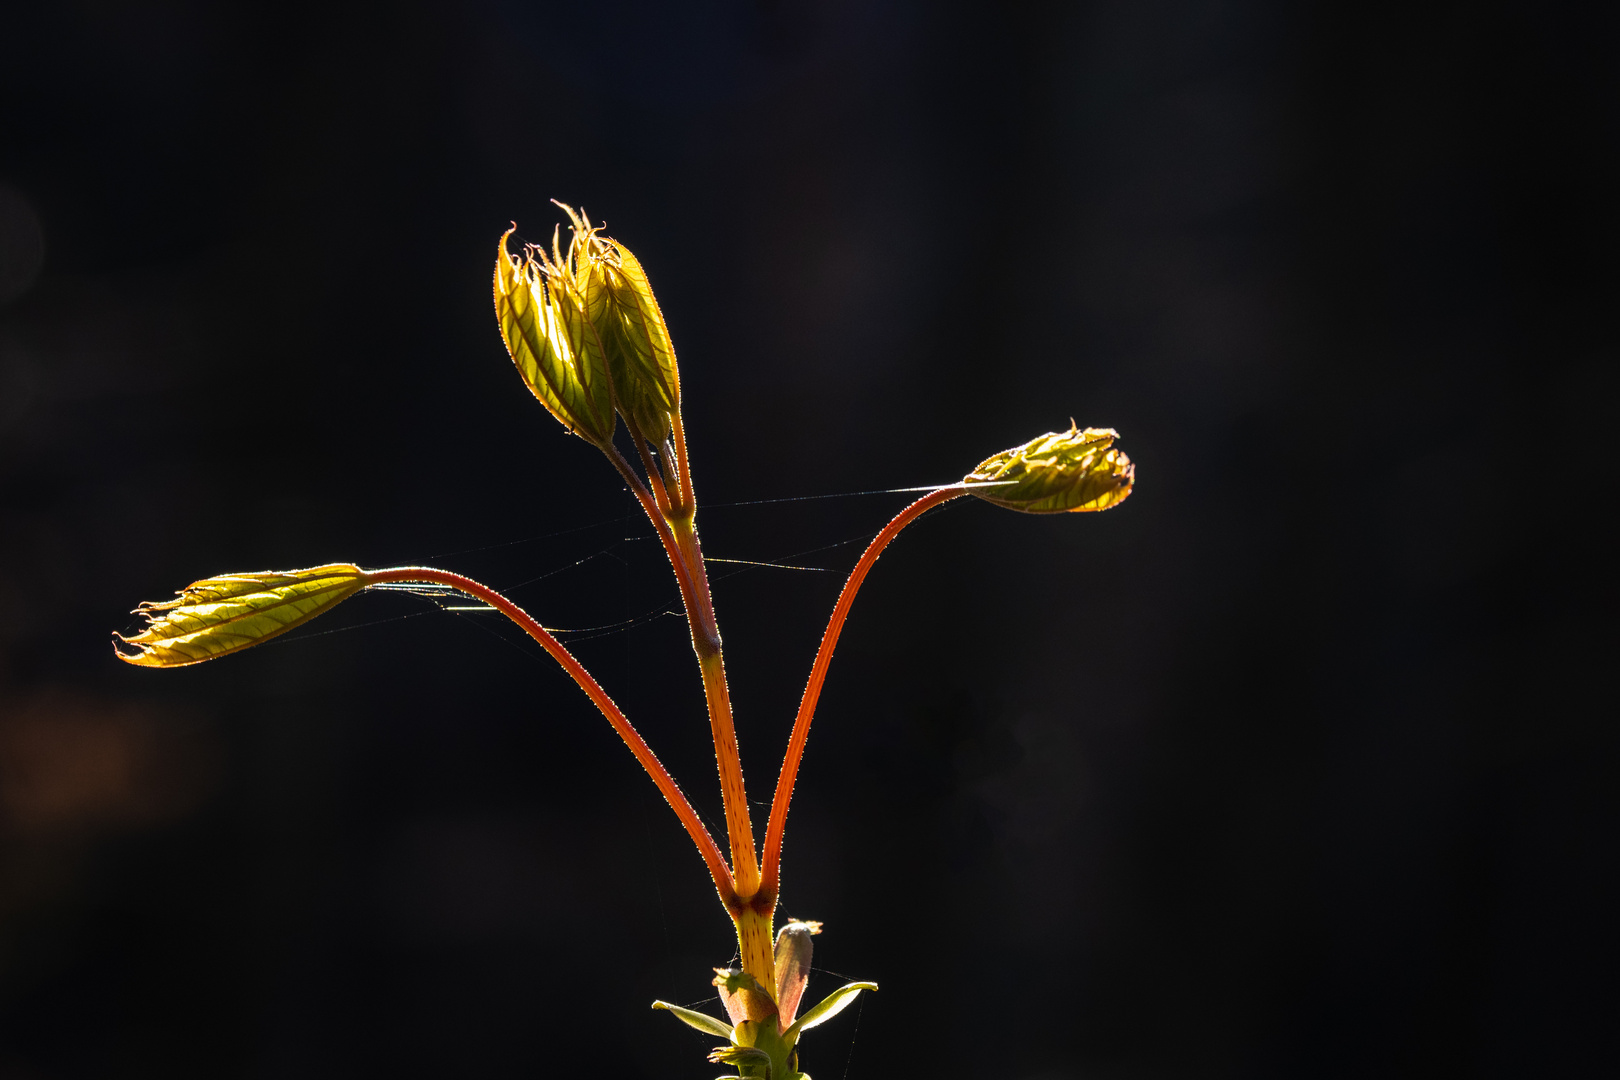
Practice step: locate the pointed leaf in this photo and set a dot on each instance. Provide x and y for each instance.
(692, 1018)
(830, 1006)
(640, 355)
(220, 615)
(552, 352)
(1061, 471)
(578, 336)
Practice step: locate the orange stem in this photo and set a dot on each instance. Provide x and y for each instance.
(818, 674)
(683, 473)
(722, 727)
(679, 538)
(683, 577)
(670, 467)
(655, 480)
(723, 881)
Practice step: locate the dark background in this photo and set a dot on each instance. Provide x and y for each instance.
(1301, 763)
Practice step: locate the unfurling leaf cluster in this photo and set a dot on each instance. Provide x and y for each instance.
(221, 615)
(1061, 471)
(586, 333)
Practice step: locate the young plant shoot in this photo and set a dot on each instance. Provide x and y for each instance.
(587, 335)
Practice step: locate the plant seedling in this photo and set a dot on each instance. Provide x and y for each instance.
(587, 335)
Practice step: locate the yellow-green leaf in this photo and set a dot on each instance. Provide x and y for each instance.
(829, 1007)
(740, 1056)
(618, 304)
(692, 1018)
(220, 615)
(549, 339)
(1061, 471)
(640, 355)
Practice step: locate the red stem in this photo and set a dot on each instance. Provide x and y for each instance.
(708, 636)
(686, 556)
(638, 746)
(683, 477)
(818, 673)
(654, 479)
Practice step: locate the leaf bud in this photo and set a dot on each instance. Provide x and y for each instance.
(620, 304)
(793, 950)
(541, 311)
(1061, 471)
(226, 614)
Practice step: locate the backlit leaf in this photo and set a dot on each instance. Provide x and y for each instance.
(220, 615)
(742, 995)
(559, 355)
(1061, 471)
(793, 952)
(619, 304)
(829, 1007)
(740, 1056)
(692, 1018)
(646, 381)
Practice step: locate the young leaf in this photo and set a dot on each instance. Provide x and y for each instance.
(554, 348)
(793, 950)
(739, 1056)
(1061, 471)
(742, 995)
(220, 615)
(692, 1018)
(641, 357)
(830, 1006)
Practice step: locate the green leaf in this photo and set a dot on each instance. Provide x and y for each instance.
(603, 315)
(692, 1018)
(740, 1056)
(1059, 472)
(552, 343)
(830, 1006)
(225, 614)
(640, 355)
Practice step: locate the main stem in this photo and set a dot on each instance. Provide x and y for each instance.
(723, 881)
(771, 877)
(672, 508)
(678, 533)
(728, 758)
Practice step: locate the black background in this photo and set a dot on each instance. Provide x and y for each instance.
(1301, 763)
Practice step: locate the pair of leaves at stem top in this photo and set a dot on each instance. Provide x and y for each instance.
(1074, 470)
(765, 1045)
(586, 333)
